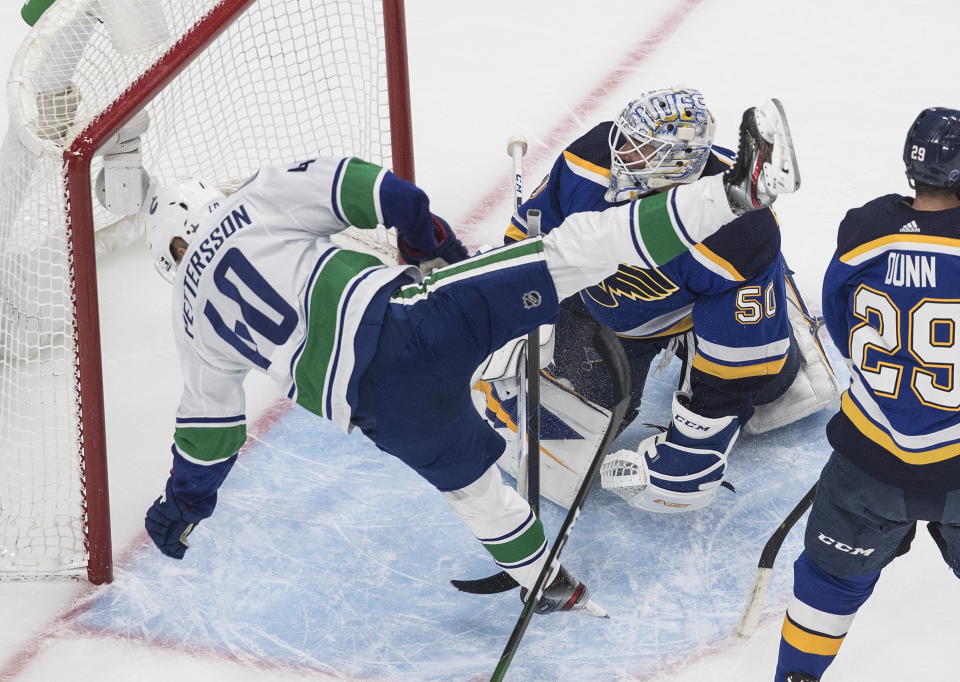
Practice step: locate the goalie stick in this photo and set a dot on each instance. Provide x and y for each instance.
(615, 359)
(758, 592)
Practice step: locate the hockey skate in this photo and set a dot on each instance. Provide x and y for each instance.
(766, 164)
(801, 677)
(566, 593)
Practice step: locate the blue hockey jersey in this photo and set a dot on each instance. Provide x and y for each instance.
(728, 289)
(891, 300)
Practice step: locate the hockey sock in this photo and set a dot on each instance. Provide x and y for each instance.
(504, 523)
(818, 618)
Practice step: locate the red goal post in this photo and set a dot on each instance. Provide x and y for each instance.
(228, 85)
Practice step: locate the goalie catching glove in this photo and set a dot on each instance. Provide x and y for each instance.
(678, 470)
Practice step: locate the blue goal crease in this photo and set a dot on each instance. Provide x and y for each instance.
(327, 554)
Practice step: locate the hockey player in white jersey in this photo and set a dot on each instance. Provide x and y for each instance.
(258, 284)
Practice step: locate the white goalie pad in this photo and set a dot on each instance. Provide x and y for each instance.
(563, 461)
(502, 368)
(815, 386)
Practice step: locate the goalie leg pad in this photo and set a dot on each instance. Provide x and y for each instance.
(504, 523)
(815, 386)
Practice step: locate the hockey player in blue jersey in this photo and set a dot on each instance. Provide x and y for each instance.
(259, 285)
(891, 299)
(726, 298)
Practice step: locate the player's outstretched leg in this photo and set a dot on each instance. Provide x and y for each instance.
(566, 593)
(503, 521)
(766, 163)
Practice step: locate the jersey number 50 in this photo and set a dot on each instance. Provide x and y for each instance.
(931, 341)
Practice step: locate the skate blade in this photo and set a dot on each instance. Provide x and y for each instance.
(781, 175)
(592, 608)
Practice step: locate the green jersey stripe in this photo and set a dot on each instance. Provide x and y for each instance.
(212, 443)
(360, 193)
(519, 548)
(656, 229)
(323, 325)
(507, 256)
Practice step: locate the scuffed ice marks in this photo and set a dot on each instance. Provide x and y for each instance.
(328, 556)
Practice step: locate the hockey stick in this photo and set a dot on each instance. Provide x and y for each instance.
(615, 359)
(751, 610)
(528, 401)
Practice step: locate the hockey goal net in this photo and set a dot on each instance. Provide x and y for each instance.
(228, 86)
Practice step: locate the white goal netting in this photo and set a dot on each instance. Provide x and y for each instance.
(286, 80)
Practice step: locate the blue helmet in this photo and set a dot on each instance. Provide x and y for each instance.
(932, 149)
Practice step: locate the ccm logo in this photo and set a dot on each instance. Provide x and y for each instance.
(689, 424)
(842, 547)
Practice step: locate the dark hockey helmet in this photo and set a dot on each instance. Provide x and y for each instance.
(932, 150)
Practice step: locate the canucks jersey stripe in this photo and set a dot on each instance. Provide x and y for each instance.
(359, 193)
(335, 362)
(335, 190)
(866, 416)
(675, 215)
(324, 257)
(521, 546)
(655, 235)
(312, 372)
(512, 255)
(208, 445)
(211, 421)
(910, 242)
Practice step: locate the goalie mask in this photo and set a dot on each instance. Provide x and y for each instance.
(661, 139)
(176, 211)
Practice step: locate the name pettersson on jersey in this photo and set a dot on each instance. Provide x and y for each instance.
(204, 252)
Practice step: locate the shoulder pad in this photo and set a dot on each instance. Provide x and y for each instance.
(760, 230)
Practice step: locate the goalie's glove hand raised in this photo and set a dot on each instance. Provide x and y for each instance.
(169, 522)
(449, 250)
(675, 471)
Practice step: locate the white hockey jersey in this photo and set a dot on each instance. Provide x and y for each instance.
(263, 287)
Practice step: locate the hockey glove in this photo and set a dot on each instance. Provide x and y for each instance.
(168, 523)
(448, 250)
(675, 471)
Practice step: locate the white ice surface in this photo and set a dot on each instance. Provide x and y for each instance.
(851, 74)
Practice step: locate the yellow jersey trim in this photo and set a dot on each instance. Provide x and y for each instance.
(720, 262)
(869, 429)
(898, 239)
(586, 165)
(685, 324)
(739, 371)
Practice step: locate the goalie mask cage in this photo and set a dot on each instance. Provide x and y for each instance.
(229, 85)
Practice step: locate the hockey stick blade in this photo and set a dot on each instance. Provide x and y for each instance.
(615, 359)
(750, 616)
(492, 584)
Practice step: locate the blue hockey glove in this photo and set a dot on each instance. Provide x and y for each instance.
(675, 471)
(449, 249)
(169, 523)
